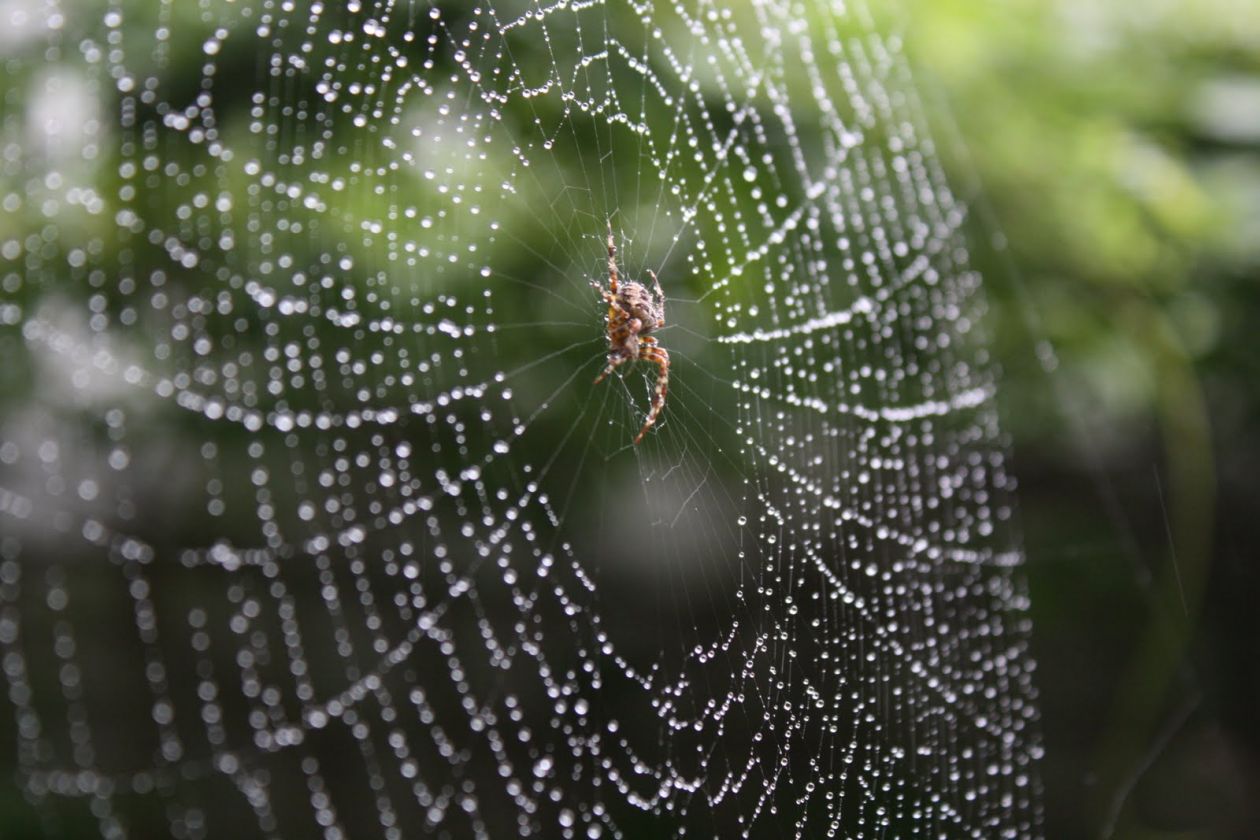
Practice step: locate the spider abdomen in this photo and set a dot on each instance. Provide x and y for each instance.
(637, 301)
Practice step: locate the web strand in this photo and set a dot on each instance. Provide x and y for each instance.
(313, 524)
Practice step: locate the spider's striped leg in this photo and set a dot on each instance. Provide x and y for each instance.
(613, 364)
(620, 331)
(609, 297)
(612, 261)
(652, 352)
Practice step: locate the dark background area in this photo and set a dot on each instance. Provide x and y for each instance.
(1111, 156)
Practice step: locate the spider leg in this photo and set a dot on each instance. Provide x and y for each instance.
(608, 296)
(612, 261)
(621, 347)
(613, 364)
(659, 356)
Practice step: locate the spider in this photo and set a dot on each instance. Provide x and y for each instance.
(633, 312)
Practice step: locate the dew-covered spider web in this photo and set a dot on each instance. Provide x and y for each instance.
(312, 520)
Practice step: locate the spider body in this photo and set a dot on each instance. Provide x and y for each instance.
(633, 313)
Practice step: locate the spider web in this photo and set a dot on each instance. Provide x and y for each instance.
(313, 520)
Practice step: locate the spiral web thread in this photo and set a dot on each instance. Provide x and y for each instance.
(313, 522)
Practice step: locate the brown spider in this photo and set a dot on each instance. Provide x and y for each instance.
(633, 312)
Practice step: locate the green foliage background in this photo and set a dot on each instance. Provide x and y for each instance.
(1111, 155)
